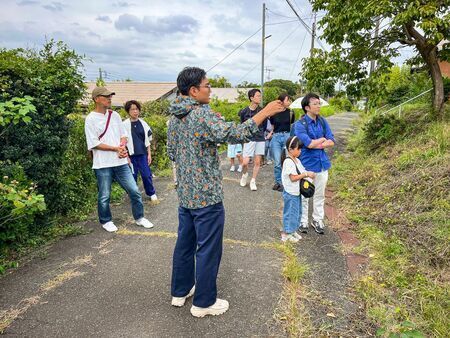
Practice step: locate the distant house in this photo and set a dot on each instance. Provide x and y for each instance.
(150, 91)
(140, 91)
(444, 65)
(229, 94)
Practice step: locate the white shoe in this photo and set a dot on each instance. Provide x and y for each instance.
(243, 182)
(289, 238)
(153, 198)
(296, 235)
(179, 301)
(219, 307)
(145, 223)
(109, 226)
(232, 168)
(253, 185)
(239, 169)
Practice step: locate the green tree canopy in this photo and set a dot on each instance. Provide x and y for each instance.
(288, 86)
(246, 84)
(350, 28)
(219, 82)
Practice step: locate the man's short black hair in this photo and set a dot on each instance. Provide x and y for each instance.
(128, 105)
(190, 77)
(307, 98)
(252, 93)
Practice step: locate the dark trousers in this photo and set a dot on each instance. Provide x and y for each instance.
(197, 253)
(140, 165)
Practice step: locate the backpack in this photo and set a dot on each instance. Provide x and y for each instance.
(305, 124)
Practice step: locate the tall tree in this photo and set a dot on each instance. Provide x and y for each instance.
(219, 82)
(290, 87)
(349, 27)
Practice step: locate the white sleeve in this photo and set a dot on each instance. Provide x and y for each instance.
(91, 135)
(290, 167)
(123, 130)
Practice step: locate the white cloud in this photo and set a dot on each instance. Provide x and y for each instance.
(154, 40)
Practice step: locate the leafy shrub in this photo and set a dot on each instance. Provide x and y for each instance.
(382, 129)
(18, 208)
(341, 103)
(229, 111)
(158, 107)
(78, 183)
(158, 124)
(52, 77)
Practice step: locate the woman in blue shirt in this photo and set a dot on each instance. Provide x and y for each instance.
(139, 137)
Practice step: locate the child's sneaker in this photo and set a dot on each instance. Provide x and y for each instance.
(239, 169)
(289, 238)
(296, 235)
(243, 181)
(232, 168)
(303, 228)
(253, 185)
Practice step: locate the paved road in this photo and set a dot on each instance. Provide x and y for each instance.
(118, 285)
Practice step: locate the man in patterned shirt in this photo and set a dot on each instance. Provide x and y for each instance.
(192, 137)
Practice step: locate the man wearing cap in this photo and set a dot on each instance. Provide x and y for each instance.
(107, 138)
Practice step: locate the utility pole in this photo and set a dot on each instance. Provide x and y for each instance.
(373, 62)
(263, 40)
(268, 70)
(313, 36)
(100, 73)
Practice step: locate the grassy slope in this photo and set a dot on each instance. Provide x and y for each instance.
(398, 197)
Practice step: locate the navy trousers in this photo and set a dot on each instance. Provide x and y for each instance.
(140, 165)
(198, 252)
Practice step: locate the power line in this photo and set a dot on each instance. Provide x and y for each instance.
(298, 55)
(280, 23)
(273, 51)
(303, 22)
(226, 56)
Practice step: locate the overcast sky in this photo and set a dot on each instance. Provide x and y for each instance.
(152, 40)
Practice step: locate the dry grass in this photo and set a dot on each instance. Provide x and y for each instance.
(60, 279)
(9, 316)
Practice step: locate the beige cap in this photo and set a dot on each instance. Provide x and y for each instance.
(101, 91)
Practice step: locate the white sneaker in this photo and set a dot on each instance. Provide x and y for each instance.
(109, 226)
(243, 182)
(232, 168)
(145, 223)
(179, 301)
(239, 169)
(219, 307)
(253, 185)
(296, 235)
(289, 238)
(153, 198)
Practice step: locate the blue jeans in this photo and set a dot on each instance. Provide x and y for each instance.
(277, 145)
(122, 175)
(140, 165)
(268, 152)
(292, 212)
(198, 252)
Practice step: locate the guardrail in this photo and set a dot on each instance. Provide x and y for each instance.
(403, 103)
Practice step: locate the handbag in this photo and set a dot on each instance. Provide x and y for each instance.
(307, 188)
(90, 153)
